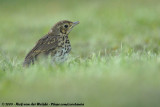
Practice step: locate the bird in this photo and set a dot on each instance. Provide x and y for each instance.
(55, 43)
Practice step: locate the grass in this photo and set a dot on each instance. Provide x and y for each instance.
(115, 58)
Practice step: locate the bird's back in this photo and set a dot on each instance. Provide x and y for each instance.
(44, 45)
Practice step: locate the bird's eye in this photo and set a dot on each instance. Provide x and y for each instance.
(65, 26)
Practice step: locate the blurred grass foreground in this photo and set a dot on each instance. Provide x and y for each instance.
(115, 58)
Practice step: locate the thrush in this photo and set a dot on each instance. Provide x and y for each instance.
(56, 44)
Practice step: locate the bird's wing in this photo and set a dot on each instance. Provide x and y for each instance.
(43, 45)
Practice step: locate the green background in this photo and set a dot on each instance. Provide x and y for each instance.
(115, 58)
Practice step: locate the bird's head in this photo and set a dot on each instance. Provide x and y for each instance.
(63, 27)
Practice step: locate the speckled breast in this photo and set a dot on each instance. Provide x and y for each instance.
(63, 51)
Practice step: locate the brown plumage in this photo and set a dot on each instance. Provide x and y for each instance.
(55, 43)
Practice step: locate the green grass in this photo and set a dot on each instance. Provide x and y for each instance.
(115, 58)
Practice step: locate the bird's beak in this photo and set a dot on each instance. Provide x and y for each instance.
(75, 23)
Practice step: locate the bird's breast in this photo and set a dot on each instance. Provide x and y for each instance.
(62, 52)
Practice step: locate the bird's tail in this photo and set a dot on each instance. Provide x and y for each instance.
(28, 62)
